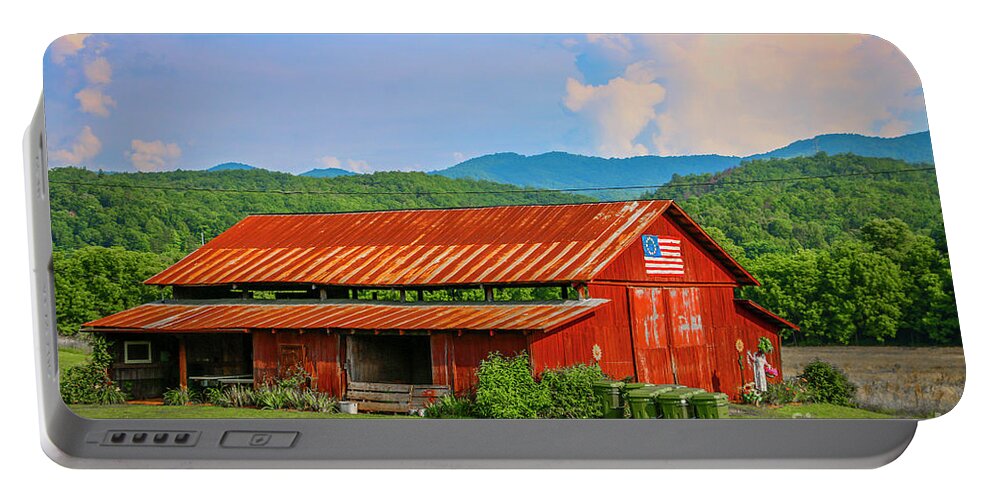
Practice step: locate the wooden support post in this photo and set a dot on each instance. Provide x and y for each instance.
(420, 295)
(182, 362)
(565, 292)
(323, 293)
(403, 295)
(488, 293)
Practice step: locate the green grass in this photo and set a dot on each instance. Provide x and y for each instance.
(71, 357)
(202, 411)
(811, 410)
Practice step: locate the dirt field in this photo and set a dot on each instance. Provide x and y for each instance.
(920, 381)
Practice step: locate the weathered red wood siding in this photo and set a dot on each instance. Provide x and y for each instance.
(750, 328)
(469, 349)
(321, 357)
(653, 356)
(442, 359)
(701, 267)
(572, 344)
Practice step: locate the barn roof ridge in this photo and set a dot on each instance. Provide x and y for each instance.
(471, 207)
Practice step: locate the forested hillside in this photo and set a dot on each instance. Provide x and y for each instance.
(112, 231)
(126, 210)
(557, 170)
(853, 252)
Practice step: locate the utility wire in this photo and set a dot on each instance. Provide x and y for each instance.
(507, 191)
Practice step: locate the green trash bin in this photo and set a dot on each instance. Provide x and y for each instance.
(710, 405)
(609, 394)
(675, 403)
(661, 388)
(642, 402)
(628, 387)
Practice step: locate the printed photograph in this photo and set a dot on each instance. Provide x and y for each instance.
(496, 226)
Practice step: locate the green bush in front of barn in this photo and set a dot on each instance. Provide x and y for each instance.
(825, 383)
(570, 391)
(507, 389)
(450, 406)
(89, 383)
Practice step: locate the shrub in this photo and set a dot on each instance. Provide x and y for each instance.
(271, 397)
(507, 389)
(89, 384)
(827, 384)
(181, 396)
(570, 392)
(289, 395)
(237, 396)
(214, 396)
(450, 406)
(791, 390)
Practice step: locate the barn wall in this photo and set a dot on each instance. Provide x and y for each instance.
(608, 327)
(320, 357)
(750, 328)
(471, 348)
(700, 266)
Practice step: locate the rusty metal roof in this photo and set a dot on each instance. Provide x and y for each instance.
(507, 244)
(494, 245)
(766, 314)
(171, 317)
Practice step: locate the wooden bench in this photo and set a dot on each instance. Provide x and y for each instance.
(394, 398)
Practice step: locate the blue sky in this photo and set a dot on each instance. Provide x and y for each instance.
(425, 102)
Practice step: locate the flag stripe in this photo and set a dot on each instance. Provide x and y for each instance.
(664, 271)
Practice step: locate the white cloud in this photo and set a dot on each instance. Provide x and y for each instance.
(748, 94)
(618, 110)
(620, 45)
(740, 94)
(98, 71)
(330, 162)
(92, 100)
(67, 46)
(153, 156)
(360, 166)
(85, 146)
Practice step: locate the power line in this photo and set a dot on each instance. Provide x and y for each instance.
(506, 191)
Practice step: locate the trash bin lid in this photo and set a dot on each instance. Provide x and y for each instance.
(659, 389)
(630, 386)
(679, 393)
(710, 397)
(611, 384)
(642, 393)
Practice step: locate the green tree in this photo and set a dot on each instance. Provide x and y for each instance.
(93, 282)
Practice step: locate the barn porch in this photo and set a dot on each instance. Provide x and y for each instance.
(150, 363)
(390, 357)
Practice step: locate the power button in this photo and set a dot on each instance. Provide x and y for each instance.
(258, 439)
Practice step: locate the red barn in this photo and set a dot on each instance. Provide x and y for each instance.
(376, 304)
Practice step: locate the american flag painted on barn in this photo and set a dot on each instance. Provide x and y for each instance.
(662, 255)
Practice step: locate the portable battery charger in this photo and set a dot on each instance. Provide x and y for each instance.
(691, 258)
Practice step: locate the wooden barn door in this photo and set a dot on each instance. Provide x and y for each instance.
(691, 357)
(652, 355)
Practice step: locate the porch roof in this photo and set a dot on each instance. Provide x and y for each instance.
(177, 317)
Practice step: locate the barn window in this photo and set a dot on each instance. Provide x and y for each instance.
(137, 352)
